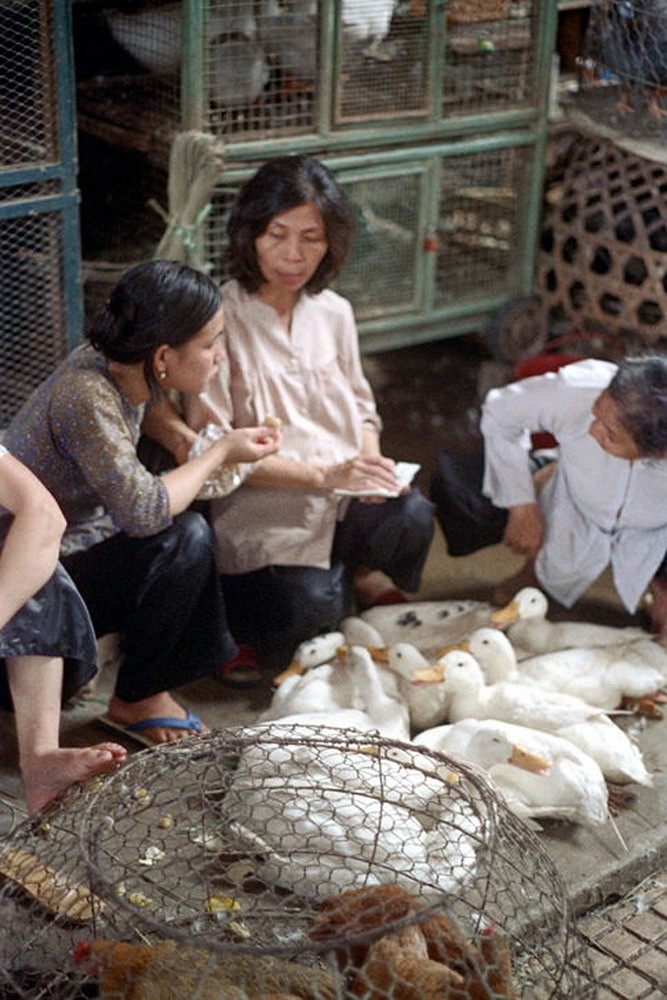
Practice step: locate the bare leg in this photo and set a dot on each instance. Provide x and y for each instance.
(46, 768)
(157, 706)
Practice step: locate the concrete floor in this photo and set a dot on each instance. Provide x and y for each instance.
(420, 415)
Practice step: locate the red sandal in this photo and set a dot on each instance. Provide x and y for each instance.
(243, 670)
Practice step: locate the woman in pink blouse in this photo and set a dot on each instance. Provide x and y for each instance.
(292, 549)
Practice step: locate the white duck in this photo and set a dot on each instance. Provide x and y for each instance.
(428, 625)
(329, 693)
(358, 632)
(571, 786)
(510, 701)
(601, 675)
(530, 630)
(427, 705)
(312, 653)
(314, 815)
(620, 759)
(584, 725)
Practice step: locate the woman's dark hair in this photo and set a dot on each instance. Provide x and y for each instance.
(639, 388)
(279, 185)
(156, 302)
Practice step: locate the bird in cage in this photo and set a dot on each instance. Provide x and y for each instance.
(290, 40)
(369, 21)
(632, 40)
(171, 970)
(426, 959)
(238, 71)
(154, 35)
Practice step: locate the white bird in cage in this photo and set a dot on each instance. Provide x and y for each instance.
(238, 71)
(369, 21)
(154, 35)
(530, 630)
(315, 816)
(568, 785)
(601, 675)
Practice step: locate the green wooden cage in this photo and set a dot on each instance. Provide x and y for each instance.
(40, 285)
(432, 114)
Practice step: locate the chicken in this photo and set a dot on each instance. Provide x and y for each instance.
(424, 959)
(169, 970)
(632, 38)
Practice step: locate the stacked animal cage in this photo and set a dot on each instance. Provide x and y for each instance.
(40, 293)
(432, 115)
(602, 255)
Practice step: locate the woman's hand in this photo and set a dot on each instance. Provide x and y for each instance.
(524, 533)
(249, 444)
(364, 472)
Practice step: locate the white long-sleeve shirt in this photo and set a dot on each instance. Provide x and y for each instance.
(598, 509)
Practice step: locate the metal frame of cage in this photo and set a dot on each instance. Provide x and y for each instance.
(41, 307)
(426, 125)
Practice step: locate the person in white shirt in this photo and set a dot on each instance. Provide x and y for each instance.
(606, 501)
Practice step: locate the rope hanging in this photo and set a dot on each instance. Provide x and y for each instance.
(196, 163)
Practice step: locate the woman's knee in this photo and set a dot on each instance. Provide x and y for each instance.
(188, 541)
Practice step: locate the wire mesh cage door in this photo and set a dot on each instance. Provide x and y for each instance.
(481, 223)
(40, 300)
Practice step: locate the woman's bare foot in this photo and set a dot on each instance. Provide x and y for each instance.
(46, 774)
(158, 706)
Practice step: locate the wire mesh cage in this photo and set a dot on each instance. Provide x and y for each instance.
(39, 248)
(624, 68)
(291, 860)
(602, 262)
(443, 229)
(252, 70)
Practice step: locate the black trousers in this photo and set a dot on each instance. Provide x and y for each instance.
(277, 607)
(469, 521)
(162, 593)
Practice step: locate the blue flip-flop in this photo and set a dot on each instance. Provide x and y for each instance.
(191, 723)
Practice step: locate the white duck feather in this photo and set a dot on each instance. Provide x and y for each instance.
(573, 787)
(601, 675)
(314, 815)
(530, 630)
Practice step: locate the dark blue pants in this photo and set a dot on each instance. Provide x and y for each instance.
(162, 593)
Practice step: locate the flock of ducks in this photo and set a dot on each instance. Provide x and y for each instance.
(529, 701)
(550, 686)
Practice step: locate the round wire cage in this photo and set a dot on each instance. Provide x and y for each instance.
(623, 69)
(602, 261)
(286, 861)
